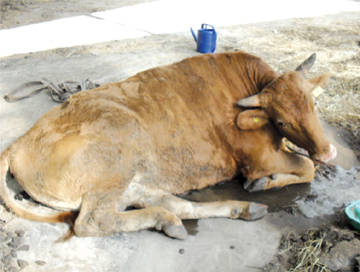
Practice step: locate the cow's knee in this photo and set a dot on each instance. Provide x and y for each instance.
(85, 225)
(95, 216)
(307, 170)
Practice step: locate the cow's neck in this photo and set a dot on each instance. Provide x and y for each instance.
(246, 79)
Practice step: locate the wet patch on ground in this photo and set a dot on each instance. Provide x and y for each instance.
(280, 199)
(333, 187)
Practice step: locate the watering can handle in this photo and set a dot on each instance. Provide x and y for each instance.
(193, 33)
(207, 25)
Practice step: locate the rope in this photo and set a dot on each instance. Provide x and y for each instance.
(306, 155)
(58, 93)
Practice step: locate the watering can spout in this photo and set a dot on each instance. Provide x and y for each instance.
(194, 35)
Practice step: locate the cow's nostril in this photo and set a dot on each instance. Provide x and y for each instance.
(333, 152)
(327, 156)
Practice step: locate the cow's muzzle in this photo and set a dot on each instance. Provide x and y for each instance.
(330, 155)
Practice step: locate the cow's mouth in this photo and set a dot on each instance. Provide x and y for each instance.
(326, 157)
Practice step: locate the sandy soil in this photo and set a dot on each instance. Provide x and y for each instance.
(283, 44)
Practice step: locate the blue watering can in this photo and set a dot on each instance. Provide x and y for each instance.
(206, 39)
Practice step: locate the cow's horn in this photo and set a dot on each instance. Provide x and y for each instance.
(307, 64)
(251, 101)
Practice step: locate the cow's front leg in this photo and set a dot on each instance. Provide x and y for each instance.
(284, 169)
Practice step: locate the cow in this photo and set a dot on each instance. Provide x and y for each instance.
(116, 158)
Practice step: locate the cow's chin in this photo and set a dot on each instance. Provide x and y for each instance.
(327, 156)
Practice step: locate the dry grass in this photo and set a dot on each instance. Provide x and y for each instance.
(306, 254)
(6, 5)
(308, 258)
(341, 105)
(316, 250)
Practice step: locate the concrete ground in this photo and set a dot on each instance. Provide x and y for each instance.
(213, 244)
(153, 17)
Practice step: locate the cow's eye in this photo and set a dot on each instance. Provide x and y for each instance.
(280, 123)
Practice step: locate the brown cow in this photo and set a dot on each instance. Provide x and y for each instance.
(165, 131)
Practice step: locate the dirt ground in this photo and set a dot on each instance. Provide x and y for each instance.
(309, 218)
(23, 12)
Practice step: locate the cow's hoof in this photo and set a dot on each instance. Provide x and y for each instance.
(175, 231)
(257, 211)
(256, 185)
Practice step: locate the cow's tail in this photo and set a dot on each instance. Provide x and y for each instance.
(25, 208)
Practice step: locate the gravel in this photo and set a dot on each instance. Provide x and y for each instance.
(10, 244)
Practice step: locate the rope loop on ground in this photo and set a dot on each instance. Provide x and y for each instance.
(58, 92)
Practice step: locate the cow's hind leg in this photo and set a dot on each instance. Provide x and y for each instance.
(185, 209)
(99, 216)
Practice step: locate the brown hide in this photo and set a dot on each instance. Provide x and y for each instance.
(174, 124)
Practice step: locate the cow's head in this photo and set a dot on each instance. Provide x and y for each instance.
(288, 103)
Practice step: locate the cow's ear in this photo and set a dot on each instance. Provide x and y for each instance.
(306, 65)
(251, 119)
(320, 81)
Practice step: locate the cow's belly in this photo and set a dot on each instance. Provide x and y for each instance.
(187, 167)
